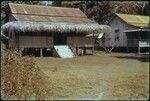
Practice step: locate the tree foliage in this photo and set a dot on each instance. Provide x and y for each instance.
(5, 8)
(102, 11)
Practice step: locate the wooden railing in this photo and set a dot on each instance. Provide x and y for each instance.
(135, 42)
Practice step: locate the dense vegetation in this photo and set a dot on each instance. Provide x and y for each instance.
(100, 11)
(20, 78)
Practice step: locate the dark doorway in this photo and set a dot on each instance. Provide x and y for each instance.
(60, 39)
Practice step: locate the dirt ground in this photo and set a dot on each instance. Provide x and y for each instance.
(98, 77)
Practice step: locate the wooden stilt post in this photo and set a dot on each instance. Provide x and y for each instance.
(25, 51)
(20, 51)
(84, 50)
(127, 49)
(41, 52)
(93, 44)
(139, 50)
(52, 50)
(77, 50)
(139, 44)
(93, 50)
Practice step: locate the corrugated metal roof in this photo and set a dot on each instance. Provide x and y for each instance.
(135, 20)
(24, 12)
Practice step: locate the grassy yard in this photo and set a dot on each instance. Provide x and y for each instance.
(99, 76)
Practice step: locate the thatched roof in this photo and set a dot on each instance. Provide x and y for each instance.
(24, 12)
(85, 28)
(35, 18)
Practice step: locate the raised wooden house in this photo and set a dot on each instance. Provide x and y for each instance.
(40, 30)
(129, 30)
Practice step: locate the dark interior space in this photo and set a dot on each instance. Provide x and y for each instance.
(36, 52)
(47, 52)
(60, 39)
(31, 52)
(138, 35)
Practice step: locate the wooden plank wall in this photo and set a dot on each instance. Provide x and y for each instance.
(47, 41)
(35, 41)
(80, 41)
(117, 23)
(11, 39)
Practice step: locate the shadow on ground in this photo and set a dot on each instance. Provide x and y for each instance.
(142, 57)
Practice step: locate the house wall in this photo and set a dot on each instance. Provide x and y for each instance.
(47, 41)
(34, 41)
(11, 37)
(118, 23)
(80, 41)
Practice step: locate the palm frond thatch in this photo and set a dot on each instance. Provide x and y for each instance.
(54, 27)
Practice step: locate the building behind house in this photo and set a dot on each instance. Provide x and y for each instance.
(128, 31)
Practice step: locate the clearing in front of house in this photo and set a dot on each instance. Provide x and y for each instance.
(102, 76)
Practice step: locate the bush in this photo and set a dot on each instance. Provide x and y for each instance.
(21, 79)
